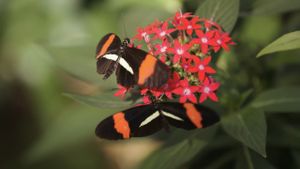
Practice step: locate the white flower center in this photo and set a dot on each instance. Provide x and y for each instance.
(146, 38)
(179, 51)
(163, 33)
(163, 49)
(166, 86)
(201, 67)
(144, 34)
(187, 91)
(204, 40)
(189, 27)
(206, 90)
(219, 41)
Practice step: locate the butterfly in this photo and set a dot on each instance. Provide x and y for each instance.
(133, 66)
(144, 120)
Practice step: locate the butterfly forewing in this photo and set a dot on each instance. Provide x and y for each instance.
(109, 44)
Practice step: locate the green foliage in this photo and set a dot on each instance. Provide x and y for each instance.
(282, 100)
(271, 7)
(223, 12)
(105, 100)
(288, 41)
(248, 160)
(249, 127)
(178, 154)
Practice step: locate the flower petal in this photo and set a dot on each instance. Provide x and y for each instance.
(213, 97)
(206, 60)
(192, 98)
(202, 98)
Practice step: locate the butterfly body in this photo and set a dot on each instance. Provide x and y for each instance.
(147, 119)
(133, 66)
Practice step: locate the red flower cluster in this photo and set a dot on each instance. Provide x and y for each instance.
(185, 43)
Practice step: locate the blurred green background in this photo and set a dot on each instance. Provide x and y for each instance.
(47, 50)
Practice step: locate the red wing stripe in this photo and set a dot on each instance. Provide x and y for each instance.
(146, 69)
(193, 114)
(106, 45)
(121, 125)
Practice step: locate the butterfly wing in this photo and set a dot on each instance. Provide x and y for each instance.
(109, 44)
(188, 116)
(148, 71)
(134, 122)
(124, 77)
(107, 54)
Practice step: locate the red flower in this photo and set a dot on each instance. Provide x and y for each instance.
(166, 89)
(163, 58)
(178, 16)
(179, 50)
(202, 67)
(146, 99)
(144, 34)
(172, 83)
(222, 40)
(208, 24)
(188, 53)
(121, 92)
(186, 92)
(207, 90)
(186, 63)
(161, 48)
(163, 31)
(189, 26)
(205, 40)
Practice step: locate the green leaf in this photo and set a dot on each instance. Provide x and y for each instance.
(180, 153)
(296, 157)
(224, 12)
(249, 127)
(288, 41)
(248, 160)
(285, 99)
(105, 100)
(271, 7)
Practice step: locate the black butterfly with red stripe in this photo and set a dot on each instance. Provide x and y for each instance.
(147, 119)
(133, 66)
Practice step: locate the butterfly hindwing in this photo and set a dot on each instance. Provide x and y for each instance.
(187, 115)
(149, 71)
(124, 78)
(129, 123)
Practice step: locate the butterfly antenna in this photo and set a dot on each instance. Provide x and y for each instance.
(124, 30)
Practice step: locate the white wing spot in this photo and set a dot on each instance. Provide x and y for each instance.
(150, 118)
(172, 116)
(122, 61)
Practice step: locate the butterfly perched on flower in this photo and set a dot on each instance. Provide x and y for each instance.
(144, 120)
(133, 66)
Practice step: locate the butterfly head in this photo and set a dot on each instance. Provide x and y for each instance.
(126, 42)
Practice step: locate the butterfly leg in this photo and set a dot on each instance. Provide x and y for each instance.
(111, 68)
